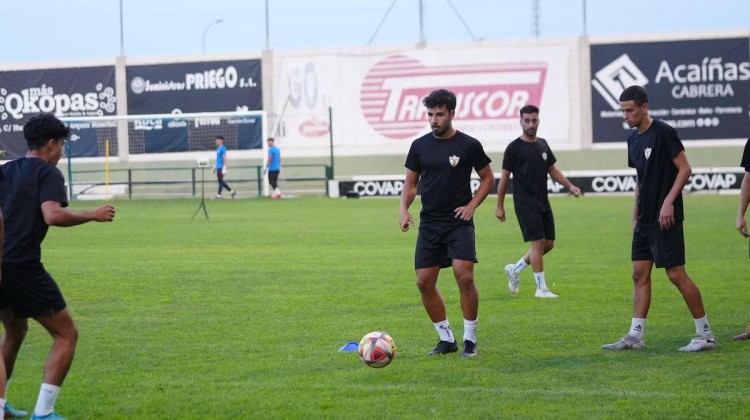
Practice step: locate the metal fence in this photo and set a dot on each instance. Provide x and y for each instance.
(165, 182)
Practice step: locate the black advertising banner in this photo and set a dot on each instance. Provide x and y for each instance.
(209, 86)
(70, 92)
(701, 180)
(701, 88)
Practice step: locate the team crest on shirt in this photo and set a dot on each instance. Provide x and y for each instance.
(544, 156)
(647, 152)
(453, 160)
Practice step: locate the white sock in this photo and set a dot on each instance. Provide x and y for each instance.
(520, 265)
(637, 327)
(2, 408)
(47, 397)
(539, 278)
(444, 331)
(470, 330)
(702, 327)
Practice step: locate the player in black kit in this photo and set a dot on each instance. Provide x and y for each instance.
(529, 158)
(741, 210)
(443, 161)
(33, 198)
(662, 170)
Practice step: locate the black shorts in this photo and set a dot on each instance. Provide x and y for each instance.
(273, 178)
(30, 292)
(666, 248)
(439, 245)
(536, 226)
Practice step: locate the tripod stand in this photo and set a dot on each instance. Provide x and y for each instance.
(202, 205)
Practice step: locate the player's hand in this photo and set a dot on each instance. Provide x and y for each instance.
(213, 170)
(464, 212)
(576, 191)
(405, 221)
(105, 213)
(742, 226)
(500, 213)
(265, 171)
(666, 216)
(224, 170)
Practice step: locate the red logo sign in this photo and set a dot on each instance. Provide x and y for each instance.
(392, 92)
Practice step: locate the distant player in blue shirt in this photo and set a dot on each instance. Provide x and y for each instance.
(273, 166)
(221, 167)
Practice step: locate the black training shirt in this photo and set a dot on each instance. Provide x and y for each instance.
(28, 183)
(444, 166)
(529, 163)
(746, 157)
(651, 154)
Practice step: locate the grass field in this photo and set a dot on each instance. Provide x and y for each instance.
(241, 316)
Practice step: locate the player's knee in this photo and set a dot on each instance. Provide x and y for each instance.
(70, 336)
(678, 277)
(465, 279)
(425, 285)
(15, 333)
(640, 277)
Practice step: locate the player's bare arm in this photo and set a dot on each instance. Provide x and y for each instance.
(408, 193)
(635, 207)
(562, 179)
(2, 236)
(486, 177)
(502, 188)
(57, 215)
(744, 201)
(666, 214)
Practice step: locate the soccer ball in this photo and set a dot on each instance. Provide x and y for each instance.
(276, 195)
(377, 349)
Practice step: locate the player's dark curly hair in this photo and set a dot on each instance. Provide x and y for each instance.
(42, 128)
(439, 98)
(529, 109)
(636, 94)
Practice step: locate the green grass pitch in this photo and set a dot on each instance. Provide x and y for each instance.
(241, 316)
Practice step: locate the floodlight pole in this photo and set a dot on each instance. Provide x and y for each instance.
(268, 30)
(585, 31)
(421, 24)
(122, 33)
(205, 32)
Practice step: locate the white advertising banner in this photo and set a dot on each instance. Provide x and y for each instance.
(376, 97)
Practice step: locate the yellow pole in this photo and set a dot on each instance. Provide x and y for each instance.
(106, 170)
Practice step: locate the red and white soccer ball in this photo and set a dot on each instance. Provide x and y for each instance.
(377, 349)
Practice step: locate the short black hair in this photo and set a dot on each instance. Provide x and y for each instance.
(42, 128)
(636, 94)
(220, 137)
(440, 97)
(528, 109)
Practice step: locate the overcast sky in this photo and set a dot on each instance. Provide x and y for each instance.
(44, 30)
